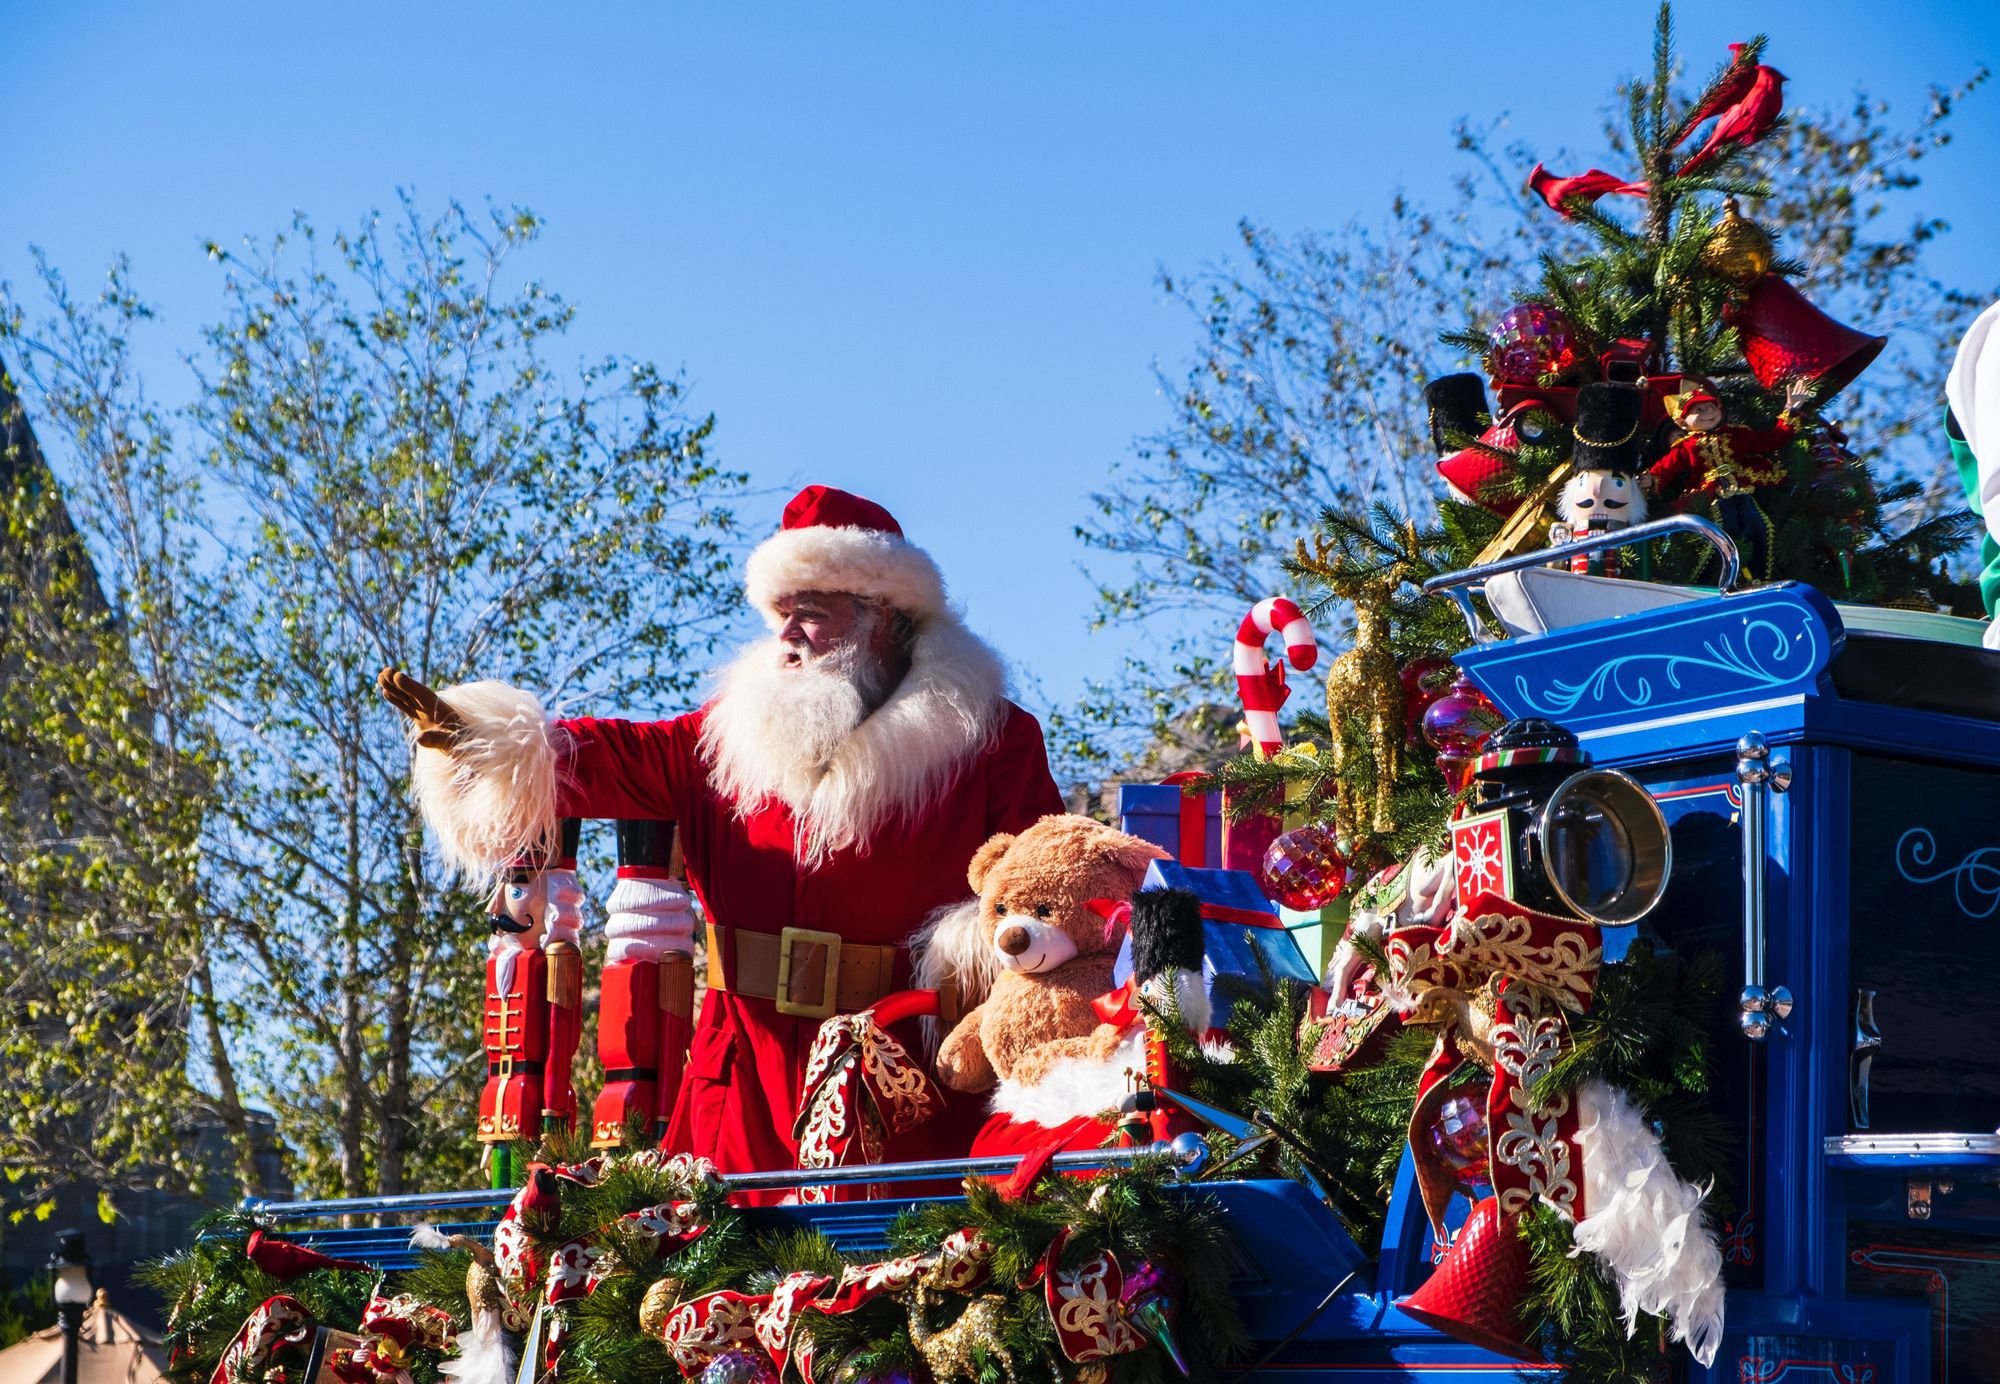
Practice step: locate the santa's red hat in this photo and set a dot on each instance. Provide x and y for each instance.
(831, 540)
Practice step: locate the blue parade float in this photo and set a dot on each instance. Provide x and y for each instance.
(1830, 779)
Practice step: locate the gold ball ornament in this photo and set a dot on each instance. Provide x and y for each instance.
(1738, 250)
(661, 1298)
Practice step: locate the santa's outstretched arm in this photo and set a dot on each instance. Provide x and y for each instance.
(494, 774)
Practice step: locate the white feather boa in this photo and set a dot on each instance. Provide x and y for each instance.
(1645, 1224)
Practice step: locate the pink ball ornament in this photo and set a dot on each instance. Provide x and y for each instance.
(1304, 869)
(739, 1367)
(1459, 722)
(1458, 1137)
(1530, 341)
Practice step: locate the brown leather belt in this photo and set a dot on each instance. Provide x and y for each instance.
(804, 973)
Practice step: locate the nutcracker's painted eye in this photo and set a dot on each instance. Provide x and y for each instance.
(1043, 910)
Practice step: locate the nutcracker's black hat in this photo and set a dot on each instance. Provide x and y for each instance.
(1607, 428)
(1455, 404)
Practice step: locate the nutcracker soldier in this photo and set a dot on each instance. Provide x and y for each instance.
(1728, 465)
(1604, 491)
(534, 1012)
(645, 1010)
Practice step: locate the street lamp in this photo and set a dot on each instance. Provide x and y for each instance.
(71, 1266)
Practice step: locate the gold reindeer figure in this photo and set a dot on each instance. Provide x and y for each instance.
(1363, 683)
(949, 1352)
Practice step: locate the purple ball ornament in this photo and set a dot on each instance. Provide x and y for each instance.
(1458, 1136)
(1459, 722)
(1531, 341)
(739, 1367)
(1304, 868)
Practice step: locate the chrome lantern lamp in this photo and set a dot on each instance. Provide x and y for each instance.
(1588, 843)
(70, 1265)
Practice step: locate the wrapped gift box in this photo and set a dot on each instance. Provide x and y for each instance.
(1247, 945)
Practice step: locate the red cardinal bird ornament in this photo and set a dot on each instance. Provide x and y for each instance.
(1745, 122)
(1590, 185)
(1733, 87)
(286, 1261)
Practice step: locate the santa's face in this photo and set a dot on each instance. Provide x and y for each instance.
(816, 624)
(1606, 498)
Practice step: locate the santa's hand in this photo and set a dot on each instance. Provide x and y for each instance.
(439, 726)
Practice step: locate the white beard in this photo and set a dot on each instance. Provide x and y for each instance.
(845, 751)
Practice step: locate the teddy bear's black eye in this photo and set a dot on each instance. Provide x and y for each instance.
(999, 910)
(1043, 910)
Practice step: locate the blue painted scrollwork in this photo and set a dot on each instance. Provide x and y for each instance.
(1975, 880)
(1757, 657)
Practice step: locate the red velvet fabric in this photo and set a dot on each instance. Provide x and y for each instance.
(747, 1061)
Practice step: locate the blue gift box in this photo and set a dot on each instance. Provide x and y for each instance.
(1152, 812)
(1241, 957)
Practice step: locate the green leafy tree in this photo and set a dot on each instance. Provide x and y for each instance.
(392, 471)
(105, 779)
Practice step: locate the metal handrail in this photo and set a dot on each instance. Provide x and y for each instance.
(1188, 1151)
(1461, 586)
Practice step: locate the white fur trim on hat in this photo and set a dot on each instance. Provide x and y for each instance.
(861, 562)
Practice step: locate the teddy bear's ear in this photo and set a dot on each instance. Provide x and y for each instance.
(985, 858)
(1135, 854)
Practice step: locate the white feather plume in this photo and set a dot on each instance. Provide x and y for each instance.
(428, 1236)
(493, 797)
(1645, 1224)
(953, 945)
(482, 1353)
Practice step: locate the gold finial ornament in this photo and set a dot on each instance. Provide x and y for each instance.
(661, 1298)
(1738, 250)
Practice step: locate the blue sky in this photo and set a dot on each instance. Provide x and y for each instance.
(905, 249)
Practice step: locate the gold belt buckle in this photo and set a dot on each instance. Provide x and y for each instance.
(823, 1008)
(505, 1066)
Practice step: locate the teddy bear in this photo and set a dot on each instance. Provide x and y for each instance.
(1047, 908)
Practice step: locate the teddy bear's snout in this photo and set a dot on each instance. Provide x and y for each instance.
(1032, 947)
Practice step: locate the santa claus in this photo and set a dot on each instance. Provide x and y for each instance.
(830, 795)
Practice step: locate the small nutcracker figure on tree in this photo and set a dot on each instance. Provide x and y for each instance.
(645, 1009)
(1604, 491)
(534, 1014)
(1726, 465)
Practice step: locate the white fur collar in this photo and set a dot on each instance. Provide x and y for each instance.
(898, 763)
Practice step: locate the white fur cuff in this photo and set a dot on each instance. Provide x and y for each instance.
(648, 917)
(492, 798)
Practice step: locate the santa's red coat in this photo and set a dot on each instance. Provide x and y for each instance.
(747, 1060)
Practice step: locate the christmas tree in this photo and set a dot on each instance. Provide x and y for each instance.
(1672, 353)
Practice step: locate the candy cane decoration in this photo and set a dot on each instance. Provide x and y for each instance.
(1261, 682)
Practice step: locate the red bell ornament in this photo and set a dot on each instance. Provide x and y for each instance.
(1785, 337)
(1475, 1294)
(1459, 722)
(1304, 869)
